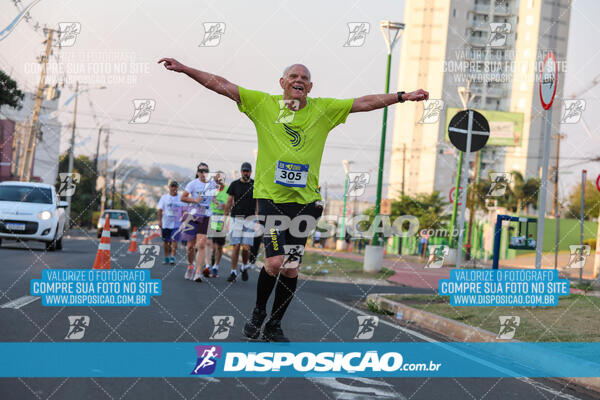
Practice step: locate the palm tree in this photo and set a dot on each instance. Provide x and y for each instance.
(523, 193)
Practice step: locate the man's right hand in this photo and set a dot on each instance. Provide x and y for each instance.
(172, 64)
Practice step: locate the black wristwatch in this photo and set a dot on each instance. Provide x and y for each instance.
(400, 99)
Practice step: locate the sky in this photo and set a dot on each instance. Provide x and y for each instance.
(190, 124)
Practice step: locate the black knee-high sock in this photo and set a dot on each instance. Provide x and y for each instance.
(284, 293)
(264, 288)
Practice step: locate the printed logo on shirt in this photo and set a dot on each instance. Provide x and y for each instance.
(295, 135)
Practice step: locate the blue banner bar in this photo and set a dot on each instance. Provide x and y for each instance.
(300, 359)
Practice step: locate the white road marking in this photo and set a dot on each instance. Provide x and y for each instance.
(421, 336)
(378, 389)
(20, 302)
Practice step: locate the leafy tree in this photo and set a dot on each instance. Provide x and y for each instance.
(86, 199)
(521, 194)
(10, 94)
(427, 208)
(591, 201)
(141, 213)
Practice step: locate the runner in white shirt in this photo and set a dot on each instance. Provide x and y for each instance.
(198, 194)
(169, 213)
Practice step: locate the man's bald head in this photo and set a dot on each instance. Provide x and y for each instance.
(288, 68)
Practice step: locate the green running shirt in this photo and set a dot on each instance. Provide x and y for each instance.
(290, 143)
(217, 213)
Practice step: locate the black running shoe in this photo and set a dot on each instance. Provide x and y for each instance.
(252, 328)
(273, 331)
(232, 277)
(244, 274)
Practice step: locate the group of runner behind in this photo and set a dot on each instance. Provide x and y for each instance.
(198, 218)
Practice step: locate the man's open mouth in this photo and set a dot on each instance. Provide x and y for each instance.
(300, 88)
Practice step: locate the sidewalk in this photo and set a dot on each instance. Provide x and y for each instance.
(410, 271)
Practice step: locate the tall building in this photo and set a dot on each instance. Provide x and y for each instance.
(499, 47)
(7, 129)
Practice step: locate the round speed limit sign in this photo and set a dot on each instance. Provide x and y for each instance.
(548, 81)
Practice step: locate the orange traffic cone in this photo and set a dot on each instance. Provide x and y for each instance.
(133, 248)
(103, 256)
(146, 240)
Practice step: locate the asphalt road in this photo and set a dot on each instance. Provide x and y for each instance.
(321, 311)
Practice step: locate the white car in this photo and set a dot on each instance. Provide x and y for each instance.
(32, 211)
(119, 223)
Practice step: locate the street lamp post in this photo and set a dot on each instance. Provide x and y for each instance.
(391, 32)
(71, 151)
(374, 254)
(72, 142)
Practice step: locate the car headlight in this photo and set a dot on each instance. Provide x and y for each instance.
(44, 215)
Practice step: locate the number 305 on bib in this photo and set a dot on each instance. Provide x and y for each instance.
(291, 174)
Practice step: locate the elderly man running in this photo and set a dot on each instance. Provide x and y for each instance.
(291, 130)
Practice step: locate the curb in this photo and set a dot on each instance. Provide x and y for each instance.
(433, 322)
(463, 333)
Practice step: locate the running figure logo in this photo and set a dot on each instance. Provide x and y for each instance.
(68, 183)
(437, 253)
(432, 110)
(212, 34)
(186, 227)
(572, 111)
(499, 32)
(508, 327)
(366, 326)
(500, 181)
(579, 254)
(287, 110)
(148, 255)
(357, 34)
(357, 183)
(212, 190)
(223, 324)
(293, 255)
(142, 110)
(77, 325)
(207, 359)
(67, 33)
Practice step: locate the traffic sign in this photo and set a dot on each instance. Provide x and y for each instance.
(548, 81)
(451, 194)
(598, 183)
(458, 130)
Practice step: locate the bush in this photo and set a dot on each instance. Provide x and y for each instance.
(141, 214)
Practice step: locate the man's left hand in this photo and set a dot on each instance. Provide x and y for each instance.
(417, 95)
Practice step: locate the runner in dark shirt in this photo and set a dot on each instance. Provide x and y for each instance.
(240, 205)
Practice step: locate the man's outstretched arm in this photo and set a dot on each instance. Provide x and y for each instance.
(377, 101)
(215, 83)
